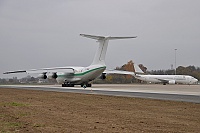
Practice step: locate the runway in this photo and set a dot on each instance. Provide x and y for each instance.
(185, 93)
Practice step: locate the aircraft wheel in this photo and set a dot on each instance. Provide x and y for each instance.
(63, 85)
(89, 85)
(71, 85)
(67, 85)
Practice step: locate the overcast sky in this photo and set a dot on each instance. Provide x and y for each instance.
(45, 33)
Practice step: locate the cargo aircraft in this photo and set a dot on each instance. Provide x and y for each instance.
(70, 76)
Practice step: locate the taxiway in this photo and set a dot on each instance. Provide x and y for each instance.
(185, 93)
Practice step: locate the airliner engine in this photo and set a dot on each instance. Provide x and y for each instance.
(172, 82)
(42, 76)
(103, 76)
(52, 76)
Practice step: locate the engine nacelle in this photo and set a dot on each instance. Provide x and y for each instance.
(42, 76)
(103, 76)
(52, 76)
(172, 82)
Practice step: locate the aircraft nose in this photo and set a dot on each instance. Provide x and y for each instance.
(195, 80)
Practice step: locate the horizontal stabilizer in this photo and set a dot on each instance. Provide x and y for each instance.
(93, 37)
(103, 44)
(112, 38)
(104, 38)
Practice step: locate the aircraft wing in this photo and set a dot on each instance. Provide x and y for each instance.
(118, 72)
(163, 80)
(44, 70)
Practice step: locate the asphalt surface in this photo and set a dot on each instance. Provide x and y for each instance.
(184, 93)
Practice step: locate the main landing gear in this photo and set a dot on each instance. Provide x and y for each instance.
(72, 85)
(67, 85)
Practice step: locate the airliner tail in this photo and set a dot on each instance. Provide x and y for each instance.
(137, 69)
(103, 44)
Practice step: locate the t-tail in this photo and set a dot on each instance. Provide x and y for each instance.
(99, 58)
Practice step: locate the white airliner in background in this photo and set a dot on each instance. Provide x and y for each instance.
(70, 76)
(165, 79)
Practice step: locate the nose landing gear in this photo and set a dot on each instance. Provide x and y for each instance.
(86, 85)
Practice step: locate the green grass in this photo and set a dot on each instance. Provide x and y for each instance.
(2, 115)
(16, 104)
(9, 125)
(13, 104)
(13, 124)
(24, 114)
(38, 125)
(3, 131)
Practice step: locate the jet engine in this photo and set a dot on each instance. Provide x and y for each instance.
(52, 76)
(172, 82)
(42, 76)
(103, 76)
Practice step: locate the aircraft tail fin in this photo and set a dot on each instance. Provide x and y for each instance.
(137, 69)
(103, 44)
